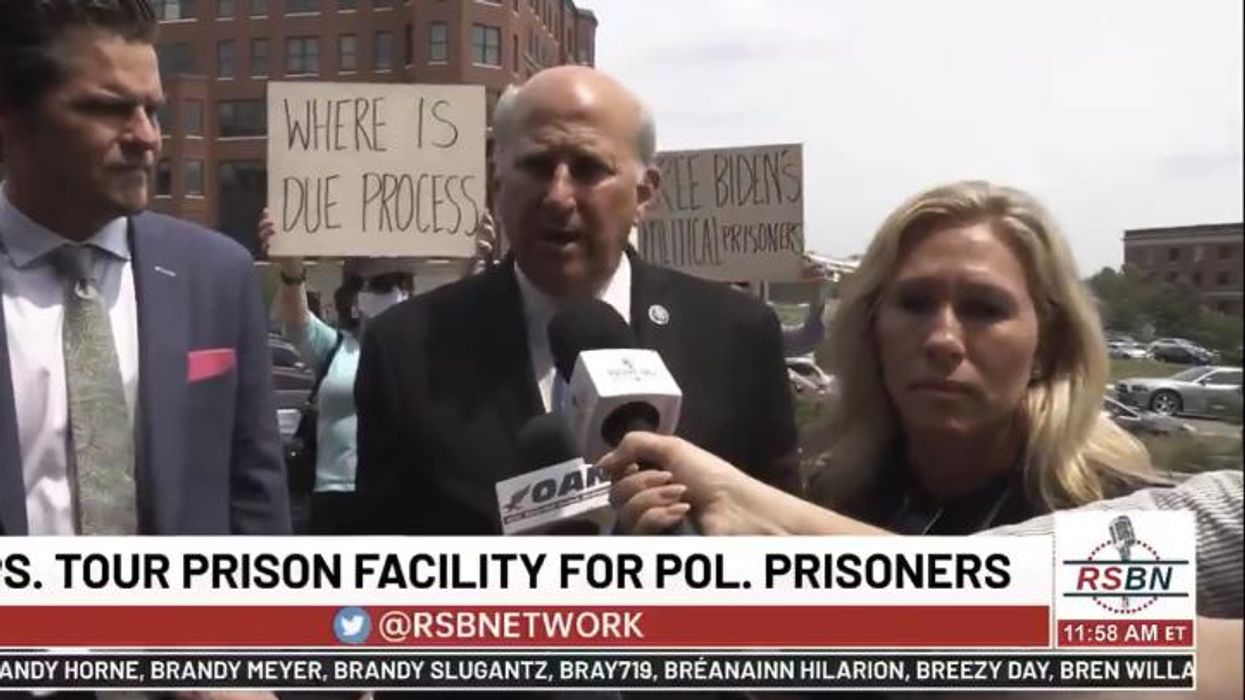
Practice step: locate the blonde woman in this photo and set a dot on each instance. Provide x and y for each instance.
(971, 370)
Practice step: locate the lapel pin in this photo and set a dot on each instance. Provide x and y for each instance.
(165, 271)
(658, 314)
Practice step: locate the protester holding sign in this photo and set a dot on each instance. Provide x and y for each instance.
(369, 287)
(447, 379)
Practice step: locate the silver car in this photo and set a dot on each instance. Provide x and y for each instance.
(1204, 391)
(807, 378)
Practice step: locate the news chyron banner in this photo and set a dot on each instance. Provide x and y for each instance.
(591, 613)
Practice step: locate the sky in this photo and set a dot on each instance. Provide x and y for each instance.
(1117, 114)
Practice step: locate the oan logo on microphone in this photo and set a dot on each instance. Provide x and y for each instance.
(551, 495)
(1138, 564)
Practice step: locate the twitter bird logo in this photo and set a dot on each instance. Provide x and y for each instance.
(351, 625)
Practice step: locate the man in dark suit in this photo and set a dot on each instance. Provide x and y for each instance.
(135, 387)
(447, 379)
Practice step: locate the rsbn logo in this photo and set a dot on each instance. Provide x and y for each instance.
(1124, 574)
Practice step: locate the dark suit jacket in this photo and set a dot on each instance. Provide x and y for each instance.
(445, 383)
(209, 458)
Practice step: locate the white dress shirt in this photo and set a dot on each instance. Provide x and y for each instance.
(538, 311)
(34, 297)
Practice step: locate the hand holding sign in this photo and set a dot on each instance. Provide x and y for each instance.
(291, 266)
(729, 213)
(375, 170)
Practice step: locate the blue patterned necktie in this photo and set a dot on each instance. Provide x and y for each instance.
(101, 436)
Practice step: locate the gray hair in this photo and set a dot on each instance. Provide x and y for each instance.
(503, 116)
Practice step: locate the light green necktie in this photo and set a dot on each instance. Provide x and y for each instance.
(102, 438)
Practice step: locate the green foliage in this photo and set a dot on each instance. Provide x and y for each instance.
(1147, 308)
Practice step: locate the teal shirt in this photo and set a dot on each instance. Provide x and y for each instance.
(337, 452)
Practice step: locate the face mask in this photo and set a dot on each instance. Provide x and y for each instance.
(371, 304)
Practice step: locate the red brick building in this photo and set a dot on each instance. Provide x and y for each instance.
(216, 57)
(1206, 257)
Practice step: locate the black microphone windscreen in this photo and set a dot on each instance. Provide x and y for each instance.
(545, 441)
(636, 415)
(587, 324)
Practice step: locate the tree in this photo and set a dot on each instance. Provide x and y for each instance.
(1131, 303)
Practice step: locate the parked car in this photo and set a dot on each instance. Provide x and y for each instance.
(1142, 422)
(292, 380)
(807, 378)
(1203, 391)
(291, 377)
(1181, 351)
(1127, 350)
(284, 354)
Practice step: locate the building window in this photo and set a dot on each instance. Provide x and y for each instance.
(176, 59)
(1173, 254)
(169, 10)
(224, 9)
(514, 51)
(193, 176)
(516, 6)
(438, 42)
(1225, 252)
(382, 56)
(164, 178)
(1224, 278)
(382, 4)
(241, 188)
(259, 57)
(408, 46)
(485, 45)
(1197, 279)
(224, 59)
(241, 118)
(1223, 307)
(301, 6)
(166, 117)
(346, 5)
(347, 52)
(259, 8)
(192, 118)
(1172, 277)
(302, 55)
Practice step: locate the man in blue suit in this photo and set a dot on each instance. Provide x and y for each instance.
(135, 388)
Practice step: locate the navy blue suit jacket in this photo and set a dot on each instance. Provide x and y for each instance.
(209, 458)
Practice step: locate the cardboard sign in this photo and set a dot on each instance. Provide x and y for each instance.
(729, 214)
(357, 169)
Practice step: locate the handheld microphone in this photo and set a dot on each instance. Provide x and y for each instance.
(615, 387)
(559, 494)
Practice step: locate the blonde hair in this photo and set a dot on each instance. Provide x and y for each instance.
(1073, 454)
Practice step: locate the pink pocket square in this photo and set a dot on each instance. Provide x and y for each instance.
(205, 364)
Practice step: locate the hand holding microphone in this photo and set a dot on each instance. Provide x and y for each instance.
(615, 387)
(723, 499)
(558, 493)
(684, 482)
